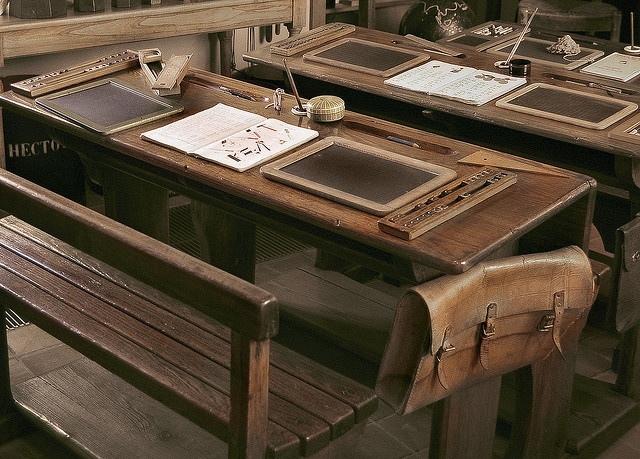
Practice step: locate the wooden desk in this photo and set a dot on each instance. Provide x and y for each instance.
(618, 162)
(541, 211)
(452, 247)
(613, 162)
(173, 18)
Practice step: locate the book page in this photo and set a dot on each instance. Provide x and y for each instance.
(480, 87)
(617, 66)
(429, 77)
(255, 144)
(195, 131)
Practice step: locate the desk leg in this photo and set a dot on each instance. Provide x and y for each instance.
(136, 203)
(463, 424)
(226, 241)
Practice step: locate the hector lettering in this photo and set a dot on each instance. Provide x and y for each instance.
(42, 147)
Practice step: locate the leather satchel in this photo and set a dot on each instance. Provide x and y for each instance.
(458, 330)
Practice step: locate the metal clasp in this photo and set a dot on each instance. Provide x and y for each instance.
(546, 323)
(489, 325)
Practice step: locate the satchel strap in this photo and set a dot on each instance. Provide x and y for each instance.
(494, 328)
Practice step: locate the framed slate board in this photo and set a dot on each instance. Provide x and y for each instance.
(368, 57)
(121, 106)
(567, 105)
(535, 50)
(484, 35)
(358, 175)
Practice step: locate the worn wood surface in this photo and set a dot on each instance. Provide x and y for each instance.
(26, 37)
(451, 247)
(487, 113)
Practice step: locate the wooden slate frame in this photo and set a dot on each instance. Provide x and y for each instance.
(78, 105)
(586, 103)
(586, 56)
(406, 58)
(472, 39)
(440, 176)
(629, 131)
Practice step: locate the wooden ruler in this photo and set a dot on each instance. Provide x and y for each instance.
(445, 203)
(311, 39)
(64, 78)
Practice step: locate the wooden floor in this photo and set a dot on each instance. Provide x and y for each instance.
(134, 426)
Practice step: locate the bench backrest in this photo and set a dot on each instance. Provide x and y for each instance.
(240, 305)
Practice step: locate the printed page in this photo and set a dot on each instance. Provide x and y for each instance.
(617, 66)
(256, 144)
(193, 132)
(429, 77)
(479, 87)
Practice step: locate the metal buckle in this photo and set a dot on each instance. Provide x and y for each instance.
(546, 323)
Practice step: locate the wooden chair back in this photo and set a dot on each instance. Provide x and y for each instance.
(573, 16)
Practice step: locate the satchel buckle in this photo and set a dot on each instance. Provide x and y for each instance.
(489, 325)
(446, 346)
(547, 322)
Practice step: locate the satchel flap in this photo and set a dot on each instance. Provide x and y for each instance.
(517, 285)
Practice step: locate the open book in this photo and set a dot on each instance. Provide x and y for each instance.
(617, 66)
(456, 82)
(231, 137)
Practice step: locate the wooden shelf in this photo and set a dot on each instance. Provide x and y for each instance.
(172, 18)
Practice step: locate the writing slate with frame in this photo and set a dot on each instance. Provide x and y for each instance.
(368, 57)
(535, 50)
(629, 131)
(567, 105)
(108, 106)
(484, 36)
(358, 175)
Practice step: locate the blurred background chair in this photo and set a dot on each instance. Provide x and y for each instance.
(579, 16)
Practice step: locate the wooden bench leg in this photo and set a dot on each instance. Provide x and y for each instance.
(463, 424)
(12, 423)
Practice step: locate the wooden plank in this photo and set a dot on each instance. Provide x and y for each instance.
(110, 418)
(349, 313)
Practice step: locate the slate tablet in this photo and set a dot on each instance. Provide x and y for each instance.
(535, 49)
(358, 175)
(109, 105)
(367, 57)
(484, 36)
(567, 105)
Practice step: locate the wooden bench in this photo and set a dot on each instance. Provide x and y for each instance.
(190, 335)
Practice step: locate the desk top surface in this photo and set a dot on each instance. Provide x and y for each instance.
(451, 247)
(597, 139)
